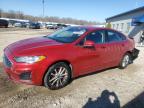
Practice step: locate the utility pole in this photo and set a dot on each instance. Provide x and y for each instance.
(136, 4)
(43, 2)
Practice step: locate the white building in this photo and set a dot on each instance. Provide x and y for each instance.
(130, 23)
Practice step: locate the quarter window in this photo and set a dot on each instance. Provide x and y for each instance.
(122, 36)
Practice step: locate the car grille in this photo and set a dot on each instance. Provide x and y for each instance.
(6, 61)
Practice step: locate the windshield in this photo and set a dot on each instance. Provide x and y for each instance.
(67, 35)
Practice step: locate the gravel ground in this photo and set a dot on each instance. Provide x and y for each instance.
(12, 29)
(111, 88)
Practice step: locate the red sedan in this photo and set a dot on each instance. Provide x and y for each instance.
(55, 59)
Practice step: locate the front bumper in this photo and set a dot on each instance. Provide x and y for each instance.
(15, 76)
(23, 73)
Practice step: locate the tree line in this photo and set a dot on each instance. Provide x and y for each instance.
(20, 15)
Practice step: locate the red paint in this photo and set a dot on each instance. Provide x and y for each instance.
(83, 60)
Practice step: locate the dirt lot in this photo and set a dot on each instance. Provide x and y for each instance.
(112, 88)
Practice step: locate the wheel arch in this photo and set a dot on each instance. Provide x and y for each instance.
(127, 52)
(65, 61)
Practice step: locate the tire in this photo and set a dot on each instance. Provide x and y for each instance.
(126, 60)
(57, 76)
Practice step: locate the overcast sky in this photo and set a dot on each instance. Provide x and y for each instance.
(91, 10)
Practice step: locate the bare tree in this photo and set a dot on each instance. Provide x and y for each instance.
(1, 13)
(11, 14)
(21, 15)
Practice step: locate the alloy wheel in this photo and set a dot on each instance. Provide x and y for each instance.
(58, 77)
(125, 61)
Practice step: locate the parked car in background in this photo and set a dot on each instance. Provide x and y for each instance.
(25, 25)
(51, 26)
(56, 26)
(35, 25)
(4, 23)
(61, 26)
(56, 59)
(18, 24)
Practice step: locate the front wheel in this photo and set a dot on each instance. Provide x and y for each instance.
(57, 76)
(126, 60)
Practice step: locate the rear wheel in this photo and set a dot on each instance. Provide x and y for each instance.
(126, 60)
(57, 76)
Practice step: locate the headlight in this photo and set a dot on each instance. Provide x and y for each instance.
(29, 59)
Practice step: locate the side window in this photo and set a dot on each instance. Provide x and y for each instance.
(114, 37)
(97, 36)
(122, 36)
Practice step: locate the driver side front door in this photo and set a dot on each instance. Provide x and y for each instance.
(92, 59)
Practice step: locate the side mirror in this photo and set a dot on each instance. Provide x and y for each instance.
(89, 44)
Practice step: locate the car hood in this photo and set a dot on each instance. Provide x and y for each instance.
(32, 44)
